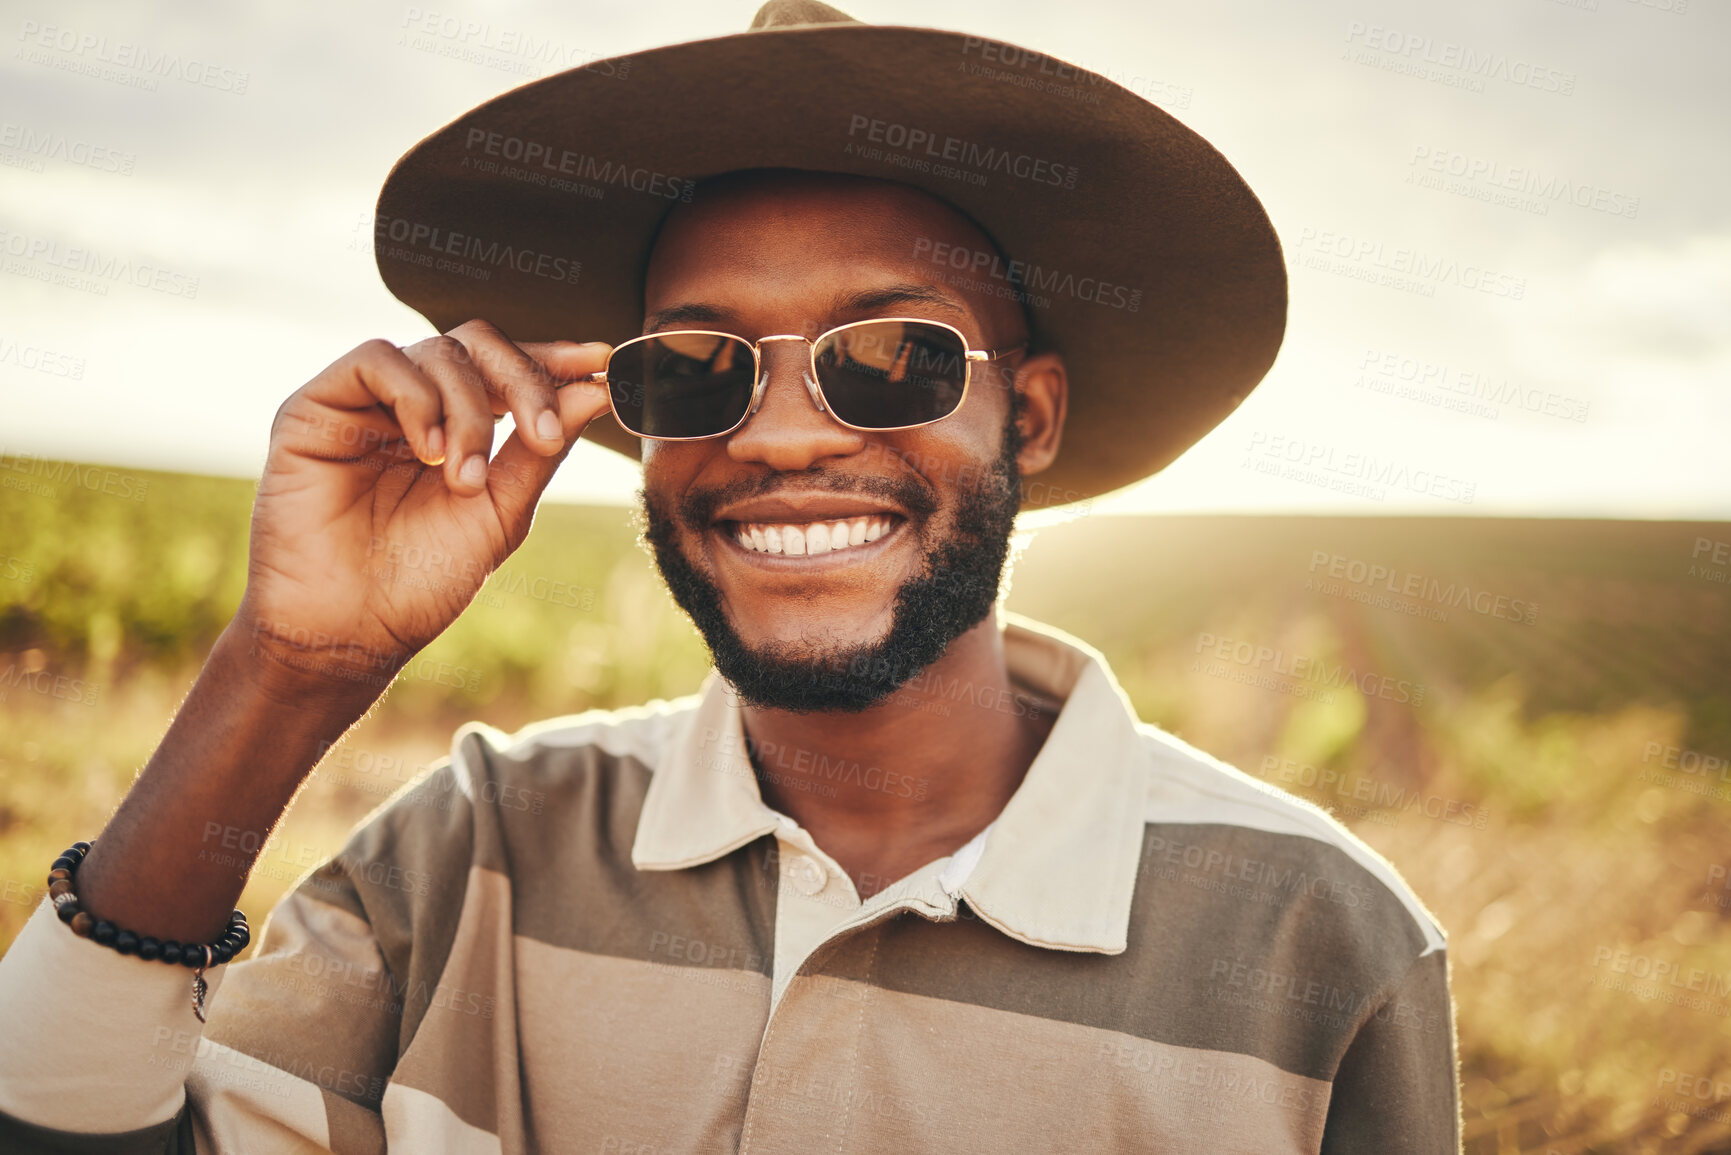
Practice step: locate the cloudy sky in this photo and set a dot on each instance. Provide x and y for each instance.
(1576, 180)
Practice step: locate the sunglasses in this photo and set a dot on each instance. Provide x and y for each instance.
(884, 374)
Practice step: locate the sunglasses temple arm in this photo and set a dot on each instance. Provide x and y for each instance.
(599, 377)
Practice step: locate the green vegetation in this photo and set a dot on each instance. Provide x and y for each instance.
(1525, 766)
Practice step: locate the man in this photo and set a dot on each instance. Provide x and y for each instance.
(900, 877)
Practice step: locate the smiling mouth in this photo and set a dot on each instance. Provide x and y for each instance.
(807, 538)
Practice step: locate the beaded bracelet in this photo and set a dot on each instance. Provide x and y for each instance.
(200, 955)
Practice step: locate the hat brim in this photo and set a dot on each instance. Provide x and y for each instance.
(1145, 259)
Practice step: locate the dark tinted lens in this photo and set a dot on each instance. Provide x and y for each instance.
(885, 374)
(681, 384)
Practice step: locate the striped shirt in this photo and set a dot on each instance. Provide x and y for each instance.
(594, 936)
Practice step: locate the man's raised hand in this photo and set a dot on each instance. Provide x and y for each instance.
(379, 516)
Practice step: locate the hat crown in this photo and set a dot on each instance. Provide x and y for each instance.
(791, 13)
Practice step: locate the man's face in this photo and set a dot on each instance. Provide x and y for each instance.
(835, 628)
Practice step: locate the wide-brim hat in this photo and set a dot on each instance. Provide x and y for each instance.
(1141, 255)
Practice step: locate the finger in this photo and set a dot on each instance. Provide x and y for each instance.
(520, 474)
(567, 361)
(468, 414)
(518, 383)
(337, 416)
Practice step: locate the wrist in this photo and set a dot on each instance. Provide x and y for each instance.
(285, 672)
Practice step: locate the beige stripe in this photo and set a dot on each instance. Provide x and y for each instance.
(243, 1104)
(416, 1121)
(622, 1055)
(853, 1068)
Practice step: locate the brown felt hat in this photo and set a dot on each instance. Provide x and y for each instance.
(1140, 253)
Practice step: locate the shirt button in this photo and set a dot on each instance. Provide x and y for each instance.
(806, 875)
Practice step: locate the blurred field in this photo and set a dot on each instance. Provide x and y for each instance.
(1520, 689)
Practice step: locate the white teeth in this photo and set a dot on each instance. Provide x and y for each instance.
(816, 537)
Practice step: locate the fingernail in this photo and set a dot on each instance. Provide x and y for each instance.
(547, 425)
(436, 446)
(474, 470)
(596, 345)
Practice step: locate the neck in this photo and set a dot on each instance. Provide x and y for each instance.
(887, 790)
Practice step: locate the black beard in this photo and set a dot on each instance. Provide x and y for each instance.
(956, 587)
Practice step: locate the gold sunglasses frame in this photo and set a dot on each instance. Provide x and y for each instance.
(813, 387)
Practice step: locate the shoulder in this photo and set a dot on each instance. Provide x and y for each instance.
(1216, 828)
(638, 739)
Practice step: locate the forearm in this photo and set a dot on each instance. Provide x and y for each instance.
(241, 744)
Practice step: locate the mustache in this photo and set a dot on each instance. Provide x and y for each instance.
(697, 510)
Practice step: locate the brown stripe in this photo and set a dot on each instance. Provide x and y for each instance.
(1395, 1096)
(565, 818)
(354, 1130)
(465, 1051)
(1272, 945)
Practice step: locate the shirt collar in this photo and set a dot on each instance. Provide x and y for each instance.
(1058, 865)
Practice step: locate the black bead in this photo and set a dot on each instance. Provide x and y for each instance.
(221, 952)
(66, 911)
(126, 942)
(191, 955)
(81, 847)
(104, 932)
(245, 936)
(171, 952)
(64, 862)
(149, 948)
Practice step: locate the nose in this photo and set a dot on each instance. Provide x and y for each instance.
(789, 432)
